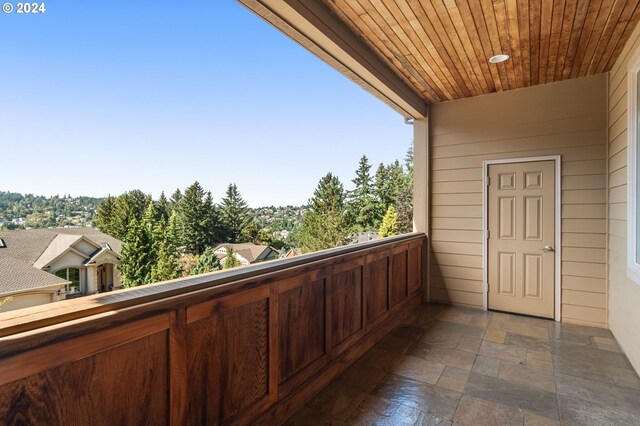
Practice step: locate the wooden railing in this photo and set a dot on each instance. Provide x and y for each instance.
(242, 346)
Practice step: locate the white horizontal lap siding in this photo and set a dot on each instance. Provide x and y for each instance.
(624, 295)
(567, 119)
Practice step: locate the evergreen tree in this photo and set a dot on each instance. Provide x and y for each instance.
(105, 214)
(197, 219)
(230, 261)
(361, 206)
(128, 206)
(168, 264)
(381, 191)
(408, 161)
(155, 232)
(324, 225)
(163, 209)
(175, 199)
(405, 210)
(207, 262)
(389, 225)
(135, 262)
(234, 215)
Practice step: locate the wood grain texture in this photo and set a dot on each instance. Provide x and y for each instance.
(228, 363)
(347, 308)
(377, 290)
(442, 46)
(301, 318)
(123, 385)
(398, 290)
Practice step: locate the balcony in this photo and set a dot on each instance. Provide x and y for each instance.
(444, 364)
(237, 346)
(336, 337)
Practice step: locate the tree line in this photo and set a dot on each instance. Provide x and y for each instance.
(171, 238)
(380, 202)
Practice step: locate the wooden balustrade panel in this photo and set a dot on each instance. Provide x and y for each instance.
(245, 352)
(398, 282)
(347, 317)
(414, 269)
(228, 362)
(302, 322)
(377, 288)
(124, 385)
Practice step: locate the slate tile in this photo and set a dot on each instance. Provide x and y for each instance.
(527, 342)
(605, 344)
(475, 411)
(394, 343)
(337, 400)
(503, 352)
(459, 329)
(513, 394)
(362, 376)
(452, 357)
(423, 396)
(624, 377)
(378, 411)
(603, 394)
(418, 369)
(453, 315)
(513, 327)
(309, 417)
(453, 378)
(381, 359)
(581, 412)
(540, 378)
(486, 366)
(469, 344)
(495, 335)
(531, 419)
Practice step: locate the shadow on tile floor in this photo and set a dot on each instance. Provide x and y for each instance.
(456, 366)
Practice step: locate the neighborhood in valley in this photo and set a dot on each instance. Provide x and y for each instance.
(57, 248)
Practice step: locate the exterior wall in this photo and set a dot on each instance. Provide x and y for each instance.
(567, 119)
(624, 295)
(19, 301)
(69, 260)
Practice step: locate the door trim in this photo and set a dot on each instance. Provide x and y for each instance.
(558, 219)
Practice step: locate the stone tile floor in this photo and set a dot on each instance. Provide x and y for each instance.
(448, 365)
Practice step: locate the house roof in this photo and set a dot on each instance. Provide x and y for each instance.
(247, 250)
(56, 247)
(17, 276)
(28, 250)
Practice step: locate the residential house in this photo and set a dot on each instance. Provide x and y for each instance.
(246, 253)
(44, 265)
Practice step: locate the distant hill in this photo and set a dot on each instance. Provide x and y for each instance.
(37, 211)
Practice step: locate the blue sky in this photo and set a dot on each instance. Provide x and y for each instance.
(107, 96)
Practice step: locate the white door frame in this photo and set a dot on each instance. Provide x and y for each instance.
(558, 218)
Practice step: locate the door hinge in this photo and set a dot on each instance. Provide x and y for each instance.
(486, 234)
(487, 181)
(488, 285)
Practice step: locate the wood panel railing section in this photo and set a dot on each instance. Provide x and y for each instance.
(244, 346)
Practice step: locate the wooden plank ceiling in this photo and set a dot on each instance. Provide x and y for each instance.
(442, 47)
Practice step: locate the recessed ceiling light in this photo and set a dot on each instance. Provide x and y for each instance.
(498, 58)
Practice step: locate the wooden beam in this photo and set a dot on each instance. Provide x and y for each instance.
(315, 27)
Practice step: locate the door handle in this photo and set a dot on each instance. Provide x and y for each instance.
(547, 248)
